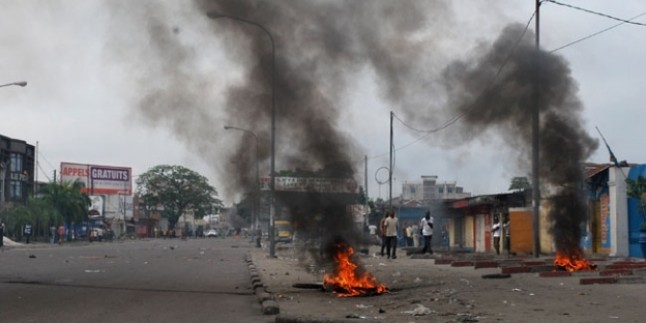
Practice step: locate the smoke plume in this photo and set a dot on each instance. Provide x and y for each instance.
(320, 48)
(505, 103)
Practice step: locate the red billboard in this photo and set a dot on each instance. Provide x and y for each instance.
(99, 179)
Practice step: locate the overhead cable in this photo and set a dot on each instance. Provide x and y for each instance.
(627, 21)
(457, 117)
(597, 33)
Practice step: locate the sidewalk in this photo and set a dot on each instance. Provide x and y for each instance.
(413, 287)
(449, 288)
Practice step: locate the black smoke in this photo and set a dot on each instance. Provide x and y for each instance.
(502, 99)
(320, 48)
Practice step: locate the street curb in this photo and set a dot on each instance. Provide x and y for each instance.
(267, 302)
(307, 319)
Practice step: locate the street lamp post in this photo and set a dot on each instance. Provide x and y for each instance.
(256, 208)
(272, 173)
(23, 84)
(2, 174)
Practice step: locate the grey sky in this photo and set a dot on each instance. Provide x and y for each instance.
(86, 65)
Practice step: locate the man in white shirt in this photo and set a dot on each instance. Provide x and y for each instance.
(427, 232)
(495, 230)
(390, 225)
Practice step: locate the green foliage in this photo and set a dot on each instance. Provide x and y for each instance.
(58, 203)
(520, 184)
(637, 189)
(67, 201)
(174, 190)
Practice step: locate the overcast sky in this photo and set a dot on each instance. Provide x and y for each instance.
(84, 78)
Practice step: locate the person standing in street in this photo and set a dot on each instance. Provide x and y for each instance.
(415, 229)
(382, 231)
(409, 235)
(1, 235)
(27, 232)
(505, 227)
(52, 234)
(61, 234)
(427, 231)
(391, 235)
(495, 230)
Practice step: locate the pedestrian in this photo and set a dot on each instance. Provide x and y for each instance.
(495, 230)
(390, 225)
(416, 236)
(2, 235)
(415, 229)
(427, 231)
(409, 235)
(61, 234)
(27, 232)
(52, 234)
(382, 232)
(445, 236)
(505, 227)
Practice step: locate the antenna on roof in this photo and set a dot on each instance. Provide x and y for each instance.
(613, 158)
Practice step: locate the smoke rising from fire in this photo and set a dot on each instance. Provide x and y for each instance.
(320, 49)
(506, 105)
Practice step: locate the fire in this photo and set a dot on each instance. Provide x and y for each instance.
(348, 280)
(572, 261)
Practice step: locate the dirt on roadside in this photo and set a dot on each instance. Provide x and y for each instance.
(421, 291)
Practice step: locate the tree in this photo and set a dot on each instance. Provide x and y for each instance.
(519, 184)
(174, 190)
(59, 202)
(67, 200)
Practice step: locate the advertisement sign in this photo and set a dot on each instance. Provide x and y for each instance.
(311, 184)
(97, 179)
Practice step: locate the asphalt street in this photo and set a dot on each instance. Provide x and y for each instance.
(195, 280)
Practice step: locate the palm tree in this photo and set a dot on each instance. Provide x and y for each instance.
(68, 201)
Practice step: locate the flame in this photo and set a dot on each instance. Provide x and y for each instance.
(347, 280)
(572, 260)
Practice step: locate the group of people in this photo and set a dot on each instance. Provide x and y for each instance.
(388, 228)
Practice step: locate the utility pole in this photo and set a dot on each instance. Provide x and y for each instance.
(390, 167)
(365, 190)
(365, 177)
(35, 170)
(536, 194)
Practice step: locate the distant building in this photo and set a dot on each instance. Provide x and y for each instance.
(17, 160)
(429, 191)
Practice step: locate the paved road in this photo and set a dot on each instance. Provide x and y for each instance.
(202, 280)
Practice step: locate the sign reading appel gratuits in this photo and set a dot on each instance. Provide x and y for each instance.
(99, 179)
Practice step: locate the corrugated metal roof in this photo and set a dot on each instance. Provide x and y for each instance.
(594, 169)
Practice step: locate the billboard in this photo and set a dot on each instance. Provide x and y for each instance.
(98, 179)
(311, 184)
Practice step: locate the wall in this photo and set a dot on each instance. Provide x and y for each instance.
(521, 230)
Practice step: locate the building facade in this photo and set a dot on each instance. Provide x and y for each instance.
(429, 190)
(17, 161)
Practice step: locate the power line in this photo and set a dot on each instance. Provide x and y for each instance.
(597, 33)
(44, 173)
(627, 21)
(45, 158)
(459, 116)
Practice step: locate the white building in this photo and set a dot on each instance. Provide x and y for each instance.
(430, 190)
